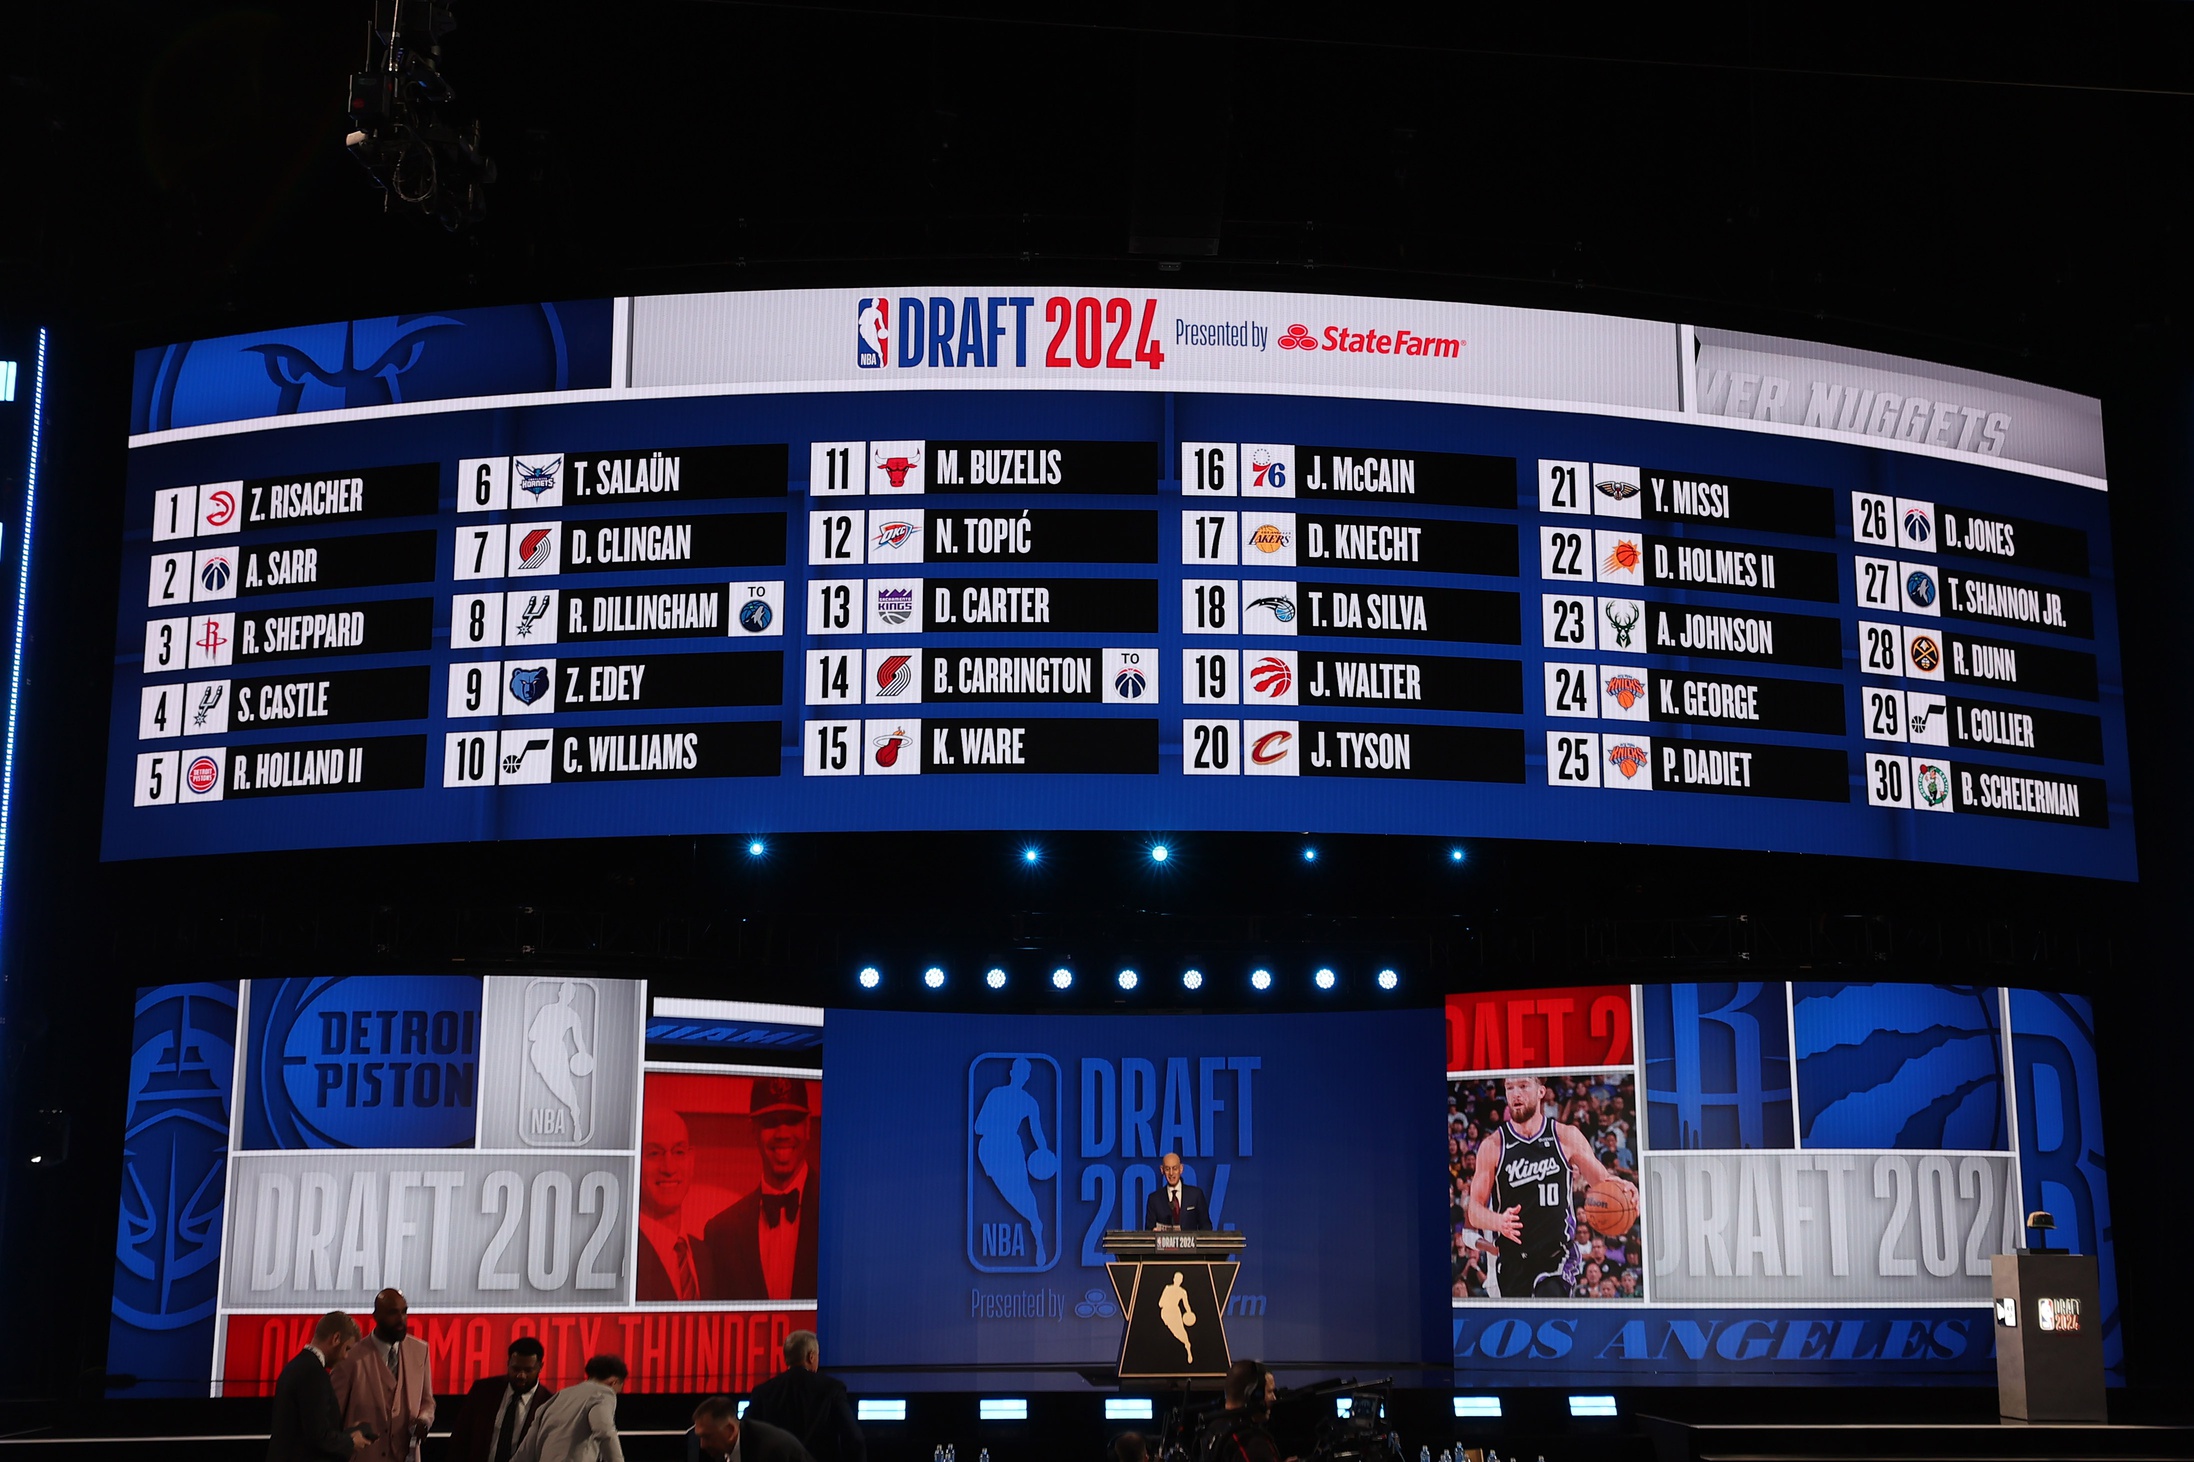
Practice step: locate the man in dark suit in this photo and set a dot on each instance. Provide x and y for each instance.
(810, 1405)
(308, 1425)
(498, 1409)
(719, 1433)
(674, 1261)
(763, 1247)
(1175, 1204)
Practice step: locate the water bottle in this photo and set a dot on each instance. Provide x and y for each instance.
(986, 1455)
(1424, 1454)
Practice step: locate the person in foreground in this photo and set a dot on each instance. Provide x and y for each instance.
(1238, 1434)
(808, 1404)
(385, 1383)
(499, 1410)
(1175, 1204)
(580, 1424)
(719, 1435)
(308, 1424)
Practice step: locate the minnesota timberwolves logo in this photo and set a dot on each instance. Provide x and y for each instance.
(1920, 588)
(174, 1152)
(1013, 1202)
(755, 615)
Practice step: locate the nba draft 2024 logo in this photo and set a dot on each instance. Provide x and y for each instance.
(563, 1046)
(1015, 1108)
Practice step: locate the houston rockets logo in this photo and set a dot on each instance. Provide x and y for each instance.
(872, 333)
(1627, 690)
(1627, 758)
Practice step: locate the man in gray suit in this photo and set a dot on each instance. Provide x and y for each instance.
(579, 1424)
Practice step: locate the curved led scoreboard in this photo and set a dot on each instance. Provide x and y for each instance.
(1081, 558)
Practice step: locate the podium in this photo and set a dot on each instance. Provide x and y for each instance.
(2049, 1336)
(1173, 1290)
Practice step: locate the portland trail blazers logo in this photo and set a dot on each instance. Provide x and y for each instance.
(535, 548)
(893, 676)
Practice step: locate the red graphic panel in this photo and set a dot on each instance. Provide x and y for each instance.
(685, 1352)
(1572, 1027)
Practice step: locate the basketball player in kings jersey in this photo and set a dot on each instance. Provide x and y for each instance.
(1522, 1194)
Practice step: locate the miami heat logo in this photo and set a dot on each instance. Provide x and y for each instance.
(889, 747)
(1627, 758)
(1627, 690)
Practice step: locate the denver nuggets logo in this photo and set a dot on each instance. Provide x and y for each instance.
(1926, 654)
(1627, 758)
(1627, 690)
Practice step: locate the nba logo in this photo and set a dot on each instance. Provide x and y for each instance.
(562, 1040)
(872, 345)
(1015, 1106)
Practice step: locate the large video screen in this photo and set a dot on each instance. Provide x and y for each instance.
(1726, 1182)
(1085, 559)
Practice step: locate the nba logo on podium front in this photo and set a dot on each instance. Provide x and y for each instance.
(562, 1040)
(1015, 1108)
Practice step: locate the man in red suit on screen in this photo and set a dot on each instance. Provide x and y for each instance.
(384, 1383)
(1175, 1204)
(498, 1409)
(763, 1247)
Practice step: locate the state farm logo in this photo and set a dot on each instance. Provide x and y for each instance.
(1372, 341)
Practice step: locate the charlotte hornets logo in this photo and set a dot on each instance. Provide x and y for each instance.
(174, 1156)
(1014, 1111)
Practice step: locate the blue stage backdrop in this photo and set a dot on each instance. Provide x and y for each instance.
(948, 1239)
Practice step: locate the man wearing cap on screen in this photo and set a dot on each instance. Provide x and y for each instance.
(763, 1246)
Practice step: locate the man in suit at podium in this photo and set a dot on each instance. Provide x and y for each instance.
(1175, 1204)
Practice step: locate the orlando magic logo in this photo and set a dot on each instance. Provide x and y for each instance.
(174, 1155)
(1015, 1105)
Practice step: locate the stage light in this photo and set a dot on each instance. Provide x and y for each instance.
(875, 1408)
(742, 1411)
(1388, 980)
(757, 848)
(1477, 1407)
(1129, 979)
(1001, 1408)
(1159, 852)
(1032, 855)
(996, 979)
(22, 606)
(934, 978)
(1128, 1408)
(1310, 855)
(1324, 979)
(1592, 1406)
(1192, 979)
(871, 977)
(1455, 855)
(1260, 980)
(1062, 978)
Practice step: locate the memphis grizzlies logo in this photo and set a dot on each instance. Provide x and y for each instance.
(872, 333)
(528, 683)
(174, 1159)
(1015, 1107)
(1900, 1066)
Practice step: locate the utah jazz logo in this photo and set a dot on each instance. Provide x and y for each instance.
(1015, 1107)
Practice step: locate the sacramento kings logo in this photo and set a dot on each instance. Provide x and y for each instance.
(895, 606)
(755, 616)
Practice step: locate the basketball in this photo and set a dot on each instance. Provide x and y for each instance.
(1611, 1208)
(582, 1064)
(1043, 1163)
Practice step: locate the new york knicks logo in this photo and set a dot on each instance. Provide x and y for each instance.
(1016, 1103)
(872, 333)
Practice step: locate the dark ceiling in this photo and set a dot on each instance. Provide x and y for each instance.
(1988, 184)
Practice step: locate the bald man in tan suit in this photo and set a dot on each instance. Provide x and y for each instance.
(384, 1383)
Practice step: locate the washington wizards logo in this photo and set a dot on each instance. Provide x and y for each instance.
(214, 574)
(1917, 526)
(1131, 683)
